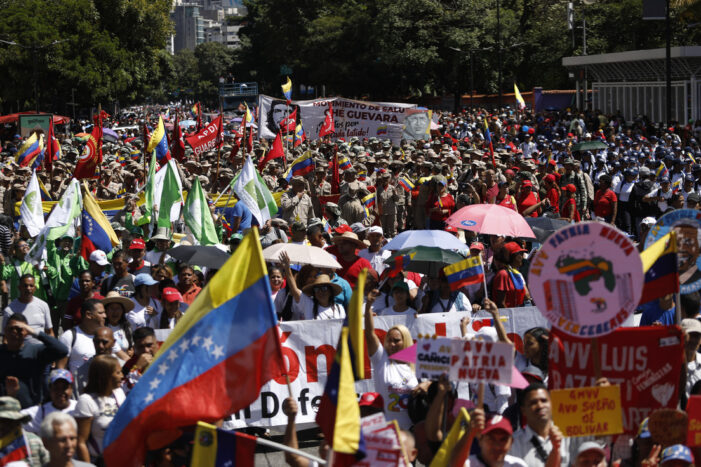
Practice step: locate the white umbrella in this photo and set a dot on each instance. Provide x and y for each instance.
(301, 254)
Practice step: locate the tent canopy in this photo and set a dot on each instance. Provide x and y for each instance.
(13, 118)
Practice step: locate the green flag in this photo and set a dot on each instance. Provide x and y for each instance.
(197, 216)
(170, 197)
(250, 188)
(148, 192)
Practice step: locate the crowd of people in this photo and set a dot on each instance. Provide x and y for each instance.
(79, 332)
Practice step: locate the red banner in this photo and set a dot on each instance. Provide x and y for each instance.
(645, 361)
(206, 139)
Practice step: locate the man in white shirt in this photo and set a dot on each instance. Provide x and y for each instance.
(79, 339)
(34, 309)
(372, 253)
(692, 338)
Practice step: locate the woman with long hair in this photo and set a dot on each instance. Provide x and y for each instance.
(173, 305)
(394, 380)
(98, 405)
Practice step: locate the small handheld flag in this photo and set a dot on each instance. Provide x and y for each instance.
(469, 271)
(214, 447)
(660, 268)
(400, 264)
(368, 203)
(519, 98)
(406, 183)
(287, 90)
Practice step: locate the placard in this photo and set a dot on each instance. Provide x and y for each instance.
(433, 357)
(645, 362)
(589, 411)
(687, 225)
(481, 361)
(587, 279)
(383, 448)
(28, 122)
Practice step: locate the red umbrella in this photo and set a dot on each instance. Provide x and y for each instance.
(491, 219)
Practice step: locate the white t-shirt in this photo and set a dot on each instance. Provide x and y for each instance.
(376, 259)
(138, 317)
(39, 412)
(37, 313)
(394, 381)
(509, 461)
(81, 351)
(102, 410)
(390, 312)
(461, 303)
(304, 309)
(120, 337)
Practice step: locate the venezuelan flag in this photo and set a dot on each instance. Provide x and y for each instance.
(13, 447)
(327, 227)
(400, 264)
(135, 154)
(339, 414)
(248, 116)
(580, 270)
(362, 176)
(31, 153)
(406, 183)
(159, 142)
(301, 166)
(662, 171)
(214, 363)
(369, 201)
(96, 229)
(517, 278)
(354, 321)
(218, 448)
(660, 268)
(45, 195)
(469, 271)
(287, 90)
(519, 98)
(344, 163)
(300, 136)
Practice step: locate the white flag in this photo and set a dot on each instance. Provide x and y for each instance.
(251, 190)
(31, 211)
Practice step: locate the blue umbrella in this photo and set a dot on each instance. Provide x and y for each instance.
(434, 238)
(109, 135)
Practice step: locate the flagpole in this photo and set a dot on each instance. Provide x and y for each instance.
(287, 124)
(282, 447)
(484, 277)
(219, 142)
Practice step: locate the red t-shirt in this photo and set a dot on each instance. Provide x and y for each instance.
(526, 202)
(492, 193)
(72, 313)
(554, 198)
(569, 210)
(502, 282)
(447, 202)
(352, 268)
(508, 202)
(603, 202)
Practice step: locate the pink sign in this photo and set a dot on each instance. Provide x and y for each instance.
(586, 279)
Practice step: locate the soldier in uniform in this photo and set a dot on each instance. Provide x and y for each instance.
(420, 206)
(333, 213)
(387, 198)
(319, 187)
(352, 209)
(296, 203)
(404, 198)
(271, 177)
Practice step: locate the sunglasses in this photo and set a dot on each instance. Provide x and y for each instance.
(323, 288)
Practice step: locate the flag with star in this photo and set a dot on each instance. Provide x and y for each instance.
(230, 330)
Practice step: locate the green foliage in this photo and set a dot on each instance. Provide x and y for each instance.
(105, 50)
(401, 48)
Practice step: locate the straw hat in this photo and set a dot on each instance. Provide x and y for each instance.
(322, 279)
(349, 237)
(114, 297)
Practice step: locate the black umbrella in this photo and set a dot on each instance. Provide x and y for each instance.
(205, 256)
(544, 226)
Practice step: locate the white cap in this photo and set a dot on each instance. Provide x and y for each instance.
(375, 229)
(99, 257)
(649, 220)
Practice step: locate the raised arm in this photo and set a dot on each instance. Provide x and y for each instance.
(294, 290)
(373, 342)
(491, 308)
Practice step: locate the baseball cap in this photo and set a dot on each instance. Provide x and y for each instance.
(99, 257)
(590, 446)
(372, 399)
(55, 375)
(375, 229)
(534, 371)
(137, 244)
(513, 247)
(677, 452)
(497, 422)
(649, 220)
(477, 246)
(356, 227)
(570, 187)
(690, 325)
(171, 294)
(144, 279)
(527, 183)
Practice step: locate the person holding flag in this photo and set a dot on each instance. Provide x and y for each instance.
(159, 143)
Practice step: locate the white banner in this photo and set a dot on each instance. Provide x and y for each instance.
(383, 120)
(309, 348)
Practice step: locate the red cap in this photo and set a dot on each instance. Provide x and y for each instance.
(372, 399)
(549, 178)
(171, 294)
(527, 183)
(450, 228)
(477, 246)
(137, 244)
(497, 422)
(531, 131)
(570, 187)
(509, 172)
(342, 228)
(513, 248)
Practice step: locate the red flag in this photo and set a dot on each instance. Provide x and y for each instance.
(208, 138)
(249, 143)
(101, 116)
(336, 179)
(49, 156)
(91, 158)
(177, 148)
(289, 123)
(328, 127)
(199, 116)
(275, 152)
